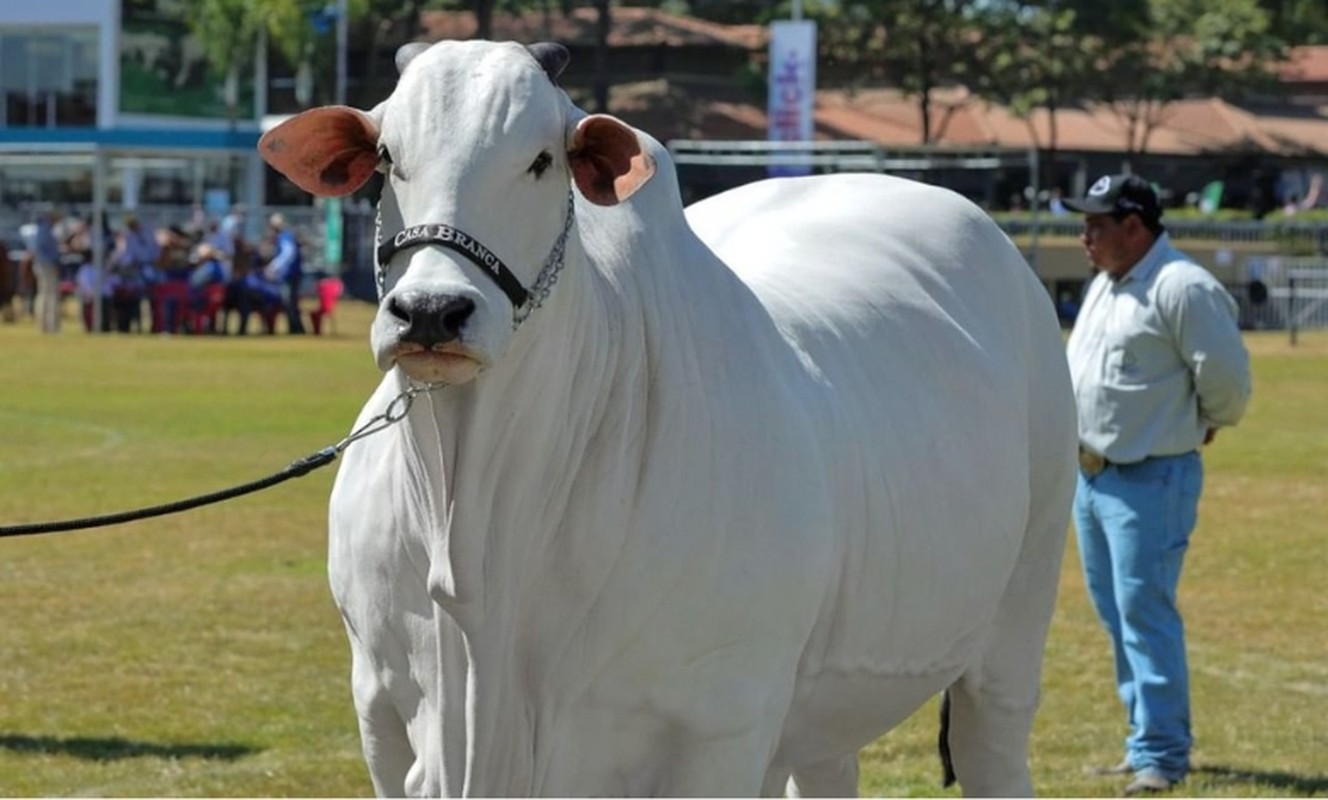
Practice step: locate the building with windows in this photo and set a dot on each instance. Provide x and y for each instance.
(115, 98)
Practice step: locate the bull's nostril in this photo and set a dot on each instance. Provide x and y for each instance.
(395, 308)
(431, 319)
(455, 314)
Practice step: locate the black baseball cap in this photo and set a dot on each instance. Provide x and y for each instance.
(1119, 195)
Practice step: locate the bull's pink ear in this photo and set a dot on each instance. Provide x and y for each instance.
(607, 161)
(329, 151)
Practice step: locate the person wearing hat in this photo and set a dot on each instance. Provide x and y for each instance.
(134, 263)
(1158, 367)
(286, 269)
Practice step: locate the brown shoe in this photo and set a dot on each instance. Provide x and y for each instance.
(1147, 782)
(1123, 768)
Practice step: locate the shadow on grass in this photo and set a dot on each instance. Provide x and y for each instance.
(1290, 782)
(115, 748)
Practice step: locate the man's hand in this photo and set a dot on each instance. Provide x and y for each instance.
(1210, 435)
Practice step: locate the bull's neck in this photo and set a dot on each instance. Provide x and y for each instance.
(513, 442)
(531, 451)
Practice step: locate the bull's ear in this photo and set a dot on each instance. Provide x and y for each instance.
(329, 151)
(607, 161)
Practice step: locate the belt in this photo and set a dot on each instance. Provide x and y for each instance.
(1092, 463)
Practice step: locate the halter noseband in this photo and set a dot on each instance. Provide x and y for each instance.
(523, 300)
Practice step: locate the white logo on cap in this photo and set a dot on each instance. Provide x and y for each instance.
(1102, 186)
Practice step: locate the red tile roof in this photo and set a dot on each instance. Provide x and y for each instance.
(960, 120)
(631, 27)
(1186, 127)
(1308, 63)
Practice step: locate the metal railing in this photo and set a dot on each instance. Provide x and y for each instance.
(834, 156)
(1284, 294)
(1289, 237)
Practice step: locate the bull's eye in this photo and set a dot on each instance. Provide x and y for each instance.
(541, 163)
(384, 158)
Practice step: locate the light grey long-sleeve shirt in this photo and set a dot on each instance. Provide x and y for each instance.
(1156, 358)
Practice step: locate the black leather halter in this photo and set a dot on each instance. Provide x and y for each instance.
(468, 246)
(441, 235)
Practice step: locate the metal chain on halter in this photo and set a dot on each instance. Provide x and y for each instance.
(537, 293)
(553, 266)
(380, 274)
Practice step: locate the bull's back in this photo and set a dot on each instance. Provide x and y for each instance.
(912, 312)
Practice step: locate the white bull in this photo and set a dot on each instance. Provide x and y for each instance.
(687, 529)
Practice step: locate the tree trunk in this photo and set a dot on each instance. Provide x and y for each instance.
(924, 93)
(484, 19)
(602, 25)
(1051, 177)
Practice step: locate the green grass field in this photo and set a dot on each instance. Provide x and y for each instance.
(200, 654)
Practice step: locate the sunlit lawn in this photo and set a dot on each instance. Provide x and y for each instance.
(200, 654)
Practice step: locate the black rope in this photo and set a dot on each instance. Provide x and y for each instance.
(295, 469)
(392, 414)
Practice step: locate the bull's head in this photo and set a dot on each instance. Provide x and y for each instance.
(479, 148)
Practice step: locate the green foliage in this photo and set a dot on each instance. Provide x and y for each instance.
(1030, 57)
(290, 28)
(732, 12)
(228, 31)
(1183, 48)
(1027, 58)
(1298, 21)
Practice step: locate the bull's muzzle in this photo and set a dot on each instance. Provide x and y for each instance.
(430, 319)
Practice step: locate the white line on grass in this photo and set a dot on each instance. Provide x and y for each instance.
(110, 438)
(1303, 677)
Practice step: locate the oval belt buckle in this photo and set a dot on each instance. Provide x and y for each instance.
(1091, 463)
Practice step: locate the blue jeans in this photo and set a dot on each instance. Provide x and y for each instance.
(1134, 523)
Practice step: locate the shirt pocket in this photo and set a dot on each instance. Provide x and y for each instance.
(1123, 365)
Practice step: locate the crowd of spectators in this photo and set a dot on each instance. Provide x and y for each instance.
(187, 278)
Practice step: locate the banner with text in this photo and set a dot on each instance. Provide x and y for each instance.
(792, 87)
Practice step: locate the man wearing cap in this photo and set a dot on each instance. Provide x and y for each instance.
(1158, 366)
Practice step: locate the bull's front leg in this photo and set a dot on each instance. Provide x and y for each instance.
(383, 735)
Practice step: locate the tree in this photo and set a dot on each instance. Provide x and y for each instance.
(1031, 56)
(483, 19)
(732, 12)
(917, 45)
(392, 24)
(1183, 48)
(290, 24)
(228, 32)
(603, 24)
(1298, 21)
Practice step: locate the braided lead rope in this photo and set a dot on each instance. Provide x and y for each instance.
(394, 413)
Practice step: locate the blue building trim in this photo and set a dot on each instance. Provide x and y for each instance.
(239, 141)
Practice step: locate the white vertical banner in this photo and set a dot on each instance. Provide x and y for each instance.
(792, 87)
